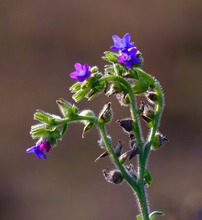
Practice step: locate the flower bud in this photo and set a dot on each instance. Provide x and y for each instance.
(110, 56)
(140, 86)
(92, 94)
(94, 69)
(76, 87)
(78, 96)
(158, 141)
(46, 117)
(126, 124)
(37, 130)
(106, 114)
(66, 108)
(113, 176)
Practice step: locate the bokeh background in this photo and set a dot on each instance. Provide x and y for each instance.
(39, 43)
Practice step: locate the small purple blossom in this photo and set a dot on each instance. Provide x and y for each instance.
(122, 43)
(82, 72)
(39, 148)
(129, 58)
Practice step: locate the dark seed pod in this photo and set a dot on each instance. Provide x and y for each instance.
(126, 124)
(113, 176)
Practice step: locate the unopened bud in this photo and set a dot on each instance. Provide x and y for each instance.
(140, 86)
(66, 108)
(92, 94)
(158, 141)
(94, 69)
(46, 117)
(106, 114)
(126, 124)
(78, 96)
(110, 56)
(75, 87)
(38, 130)
(113, 176)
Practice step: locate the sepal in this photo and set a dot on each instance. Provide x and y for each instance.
(78, 96)
(46, 117)
(147, 177)
(158, 141)
(88, 124)
(110, 56)
(46, 132)
(151, 216)
(67, 109)
(140, 86)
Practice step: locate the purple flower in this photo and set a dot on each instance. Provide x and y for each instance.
(122, 44)
(129, 58)
(39, 148)
(81, 73)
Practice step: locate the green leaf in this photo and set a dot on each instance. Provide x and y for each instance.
(64, 129)
(147, 177)
(151, 216)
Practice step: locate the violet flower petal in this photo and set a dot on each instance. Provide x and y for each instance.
(122, 43)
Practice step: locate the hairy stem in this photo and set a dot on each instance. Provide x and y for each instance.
(115, 159)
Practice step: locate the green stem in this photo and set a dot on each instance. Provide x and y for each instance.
(115, 158)
(140, 191)
(133, 109)
(76, 118)
(139, 185)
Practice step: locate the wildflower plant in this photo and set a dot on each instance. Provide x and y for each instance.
(124, 79)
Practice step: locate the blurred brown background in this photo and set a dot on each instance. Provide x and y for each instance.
(40, 41)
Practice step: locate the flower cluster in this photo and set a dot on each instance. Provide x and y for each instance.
(40, 148)
(126, 81)
(128, 53)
